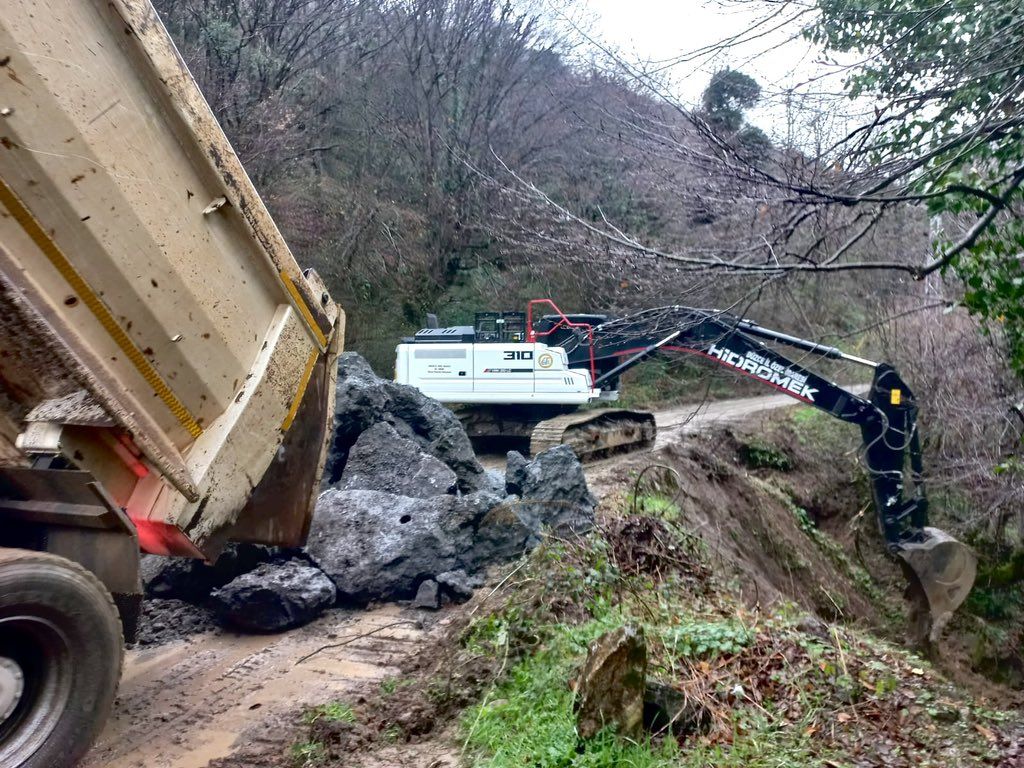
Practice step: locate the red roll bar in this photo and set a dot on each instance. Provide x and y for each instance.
(563, 322)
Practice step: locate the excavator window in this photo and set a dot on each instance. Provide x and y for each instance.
(513, 326)
(487, 326)
(508, 327)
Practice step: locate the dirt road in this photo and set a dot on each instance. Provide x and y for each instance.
(687, 419)
(191, 701)
(186, 703)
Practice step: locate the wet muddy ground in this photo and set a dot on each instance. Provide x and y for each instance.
(189, 701)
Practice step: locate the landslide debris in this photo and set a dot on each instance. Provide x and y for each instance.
(274, 597)
(407, 513)
(393, 520)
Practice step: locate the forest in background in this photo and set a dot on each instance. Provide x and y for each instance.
(451, 156)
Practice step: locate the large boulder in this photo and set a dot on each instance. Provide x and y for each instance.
(382, 460)
(182, 578)
(364, 399)
(611, 685)
(274, 597)
(376, 545)
(360, 401)
(553, 490)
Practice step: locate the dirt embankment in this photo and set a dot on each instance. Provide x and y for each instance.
(717, 545)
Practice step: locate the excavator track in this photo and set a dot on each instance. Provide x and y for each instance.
(595, 434)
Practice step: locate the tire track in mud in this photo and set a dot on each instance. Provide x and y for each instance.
(191, 701)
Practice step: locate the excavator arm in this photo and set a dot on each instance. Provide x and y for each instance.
(887, 417)
(943, 567)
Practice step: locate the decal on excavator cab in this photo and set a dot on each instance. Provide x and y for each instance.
(767, 370)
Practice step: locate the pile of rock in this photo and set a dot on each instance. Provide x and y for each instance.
(408, 513)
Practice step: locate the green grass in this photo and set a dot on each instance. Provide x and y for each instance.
(331, 712)
(775, 690)
(758, 454)
(308, 754)
(654, 505)
(527, 718)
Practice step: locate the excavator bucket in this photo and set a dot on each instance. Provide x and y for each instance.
(944, 569)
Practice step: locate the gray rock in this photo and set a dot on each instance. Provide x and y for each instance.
(381, 460)
(499, 531)
(376, 545)
(182, 578)
(427, 596)
(452, 446)
(457, 584)
(516, 471)
(611, 684)
(553, 490)
(669, 710)
(360, 401)
(274, 597)
(363, 399)
(495, 480)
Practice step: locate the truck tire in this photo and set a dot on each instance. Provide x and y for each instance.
(60, 659)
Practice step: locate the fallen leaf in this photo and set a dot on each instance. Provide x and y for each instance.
(987, 733)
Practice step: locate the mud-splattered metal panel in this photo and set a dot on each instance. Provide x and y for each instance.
(111, 149)
(130, 231)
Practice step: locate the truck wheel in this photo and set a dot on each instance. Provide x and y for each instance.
(60, 659)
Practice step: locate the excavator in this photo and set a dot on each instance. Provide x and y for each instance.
(527, 374)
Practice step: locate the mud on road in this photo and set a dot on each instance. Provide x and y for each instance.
(188, 702)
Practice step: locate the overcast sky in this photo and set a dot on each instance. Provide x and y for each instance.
(670, 35)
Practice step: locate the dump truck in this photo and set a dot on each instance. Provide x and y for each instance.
(166, 368)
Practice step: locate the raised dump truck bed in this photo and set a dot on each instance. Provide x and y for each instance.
(166, 368)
